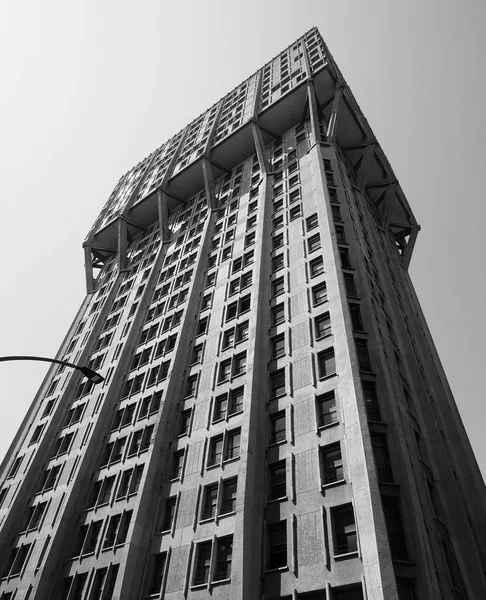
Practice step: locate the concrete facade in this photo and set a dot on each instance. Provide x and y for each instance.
(274, 420)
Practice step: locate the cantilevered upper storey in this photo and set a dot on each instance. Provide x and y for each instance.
(273, 99)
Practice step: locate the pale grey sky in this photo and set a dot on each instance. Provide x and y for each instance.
(90, 88)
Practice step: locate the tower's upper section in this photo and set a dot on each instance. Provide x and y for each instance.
(275, 97)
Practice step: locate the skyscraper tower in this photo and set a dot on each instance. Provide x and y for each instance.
(274, 421)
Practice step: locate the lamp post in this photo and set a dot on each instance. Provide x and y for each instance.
(93, 376)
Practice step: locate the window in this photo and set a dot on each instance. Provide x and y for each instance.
(203, 563)
(197, 353)
(363, 356)
(356, 319)
(277, 480)
(340, 236)
(278, 222)
(277, 383)
(294, 196)
(345, 261)
(16, 561)
(215, 451)
(202, 326)
(210, 280)
(210, 501)
(36, 435)
(278, 262)
(191, 386)
(295, 212)
(155, 573)
(62, 445)
(224, 551)
(314, 243)
(278, 345)
(326, 409)
(316, 266)
(277, 545)
(332, 464)
(238, 308)
(319, 294)
(278, 314)
(177, 464)
(250, 239)
(311, 222)
(350, 285)
(232, 449)
(251, 222)
(354, 592)
(48, 408)
(382, 459)
(185, 421)
(49, 479)
(406, 589)
(117, 529)
(277, 241)
(228, 500)
(322, 325)
(15, 467)
(278, 286)
(34, 516)
(278, 432)
(396, 535)
(344, 528)
(326, 363)
(336, 212)
(169, 513)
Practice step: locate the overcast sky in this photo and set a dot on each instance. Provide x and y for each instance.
(90, 88)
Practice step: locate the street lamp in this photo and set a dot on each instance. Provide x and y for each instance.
(93, 376)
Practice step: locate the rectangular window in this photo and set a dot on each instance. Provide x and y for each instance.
(228, 499)
(215, 451)
(155, 573)
(345, 260)
(185, 421)
(363, 356)
(316, 266)
(326, 363)
(233, 440)
(314, 243)
(344, 528)
(278, 262)
(203, 563)
(326, 409)
(322, 325)
(277, 383)
(340, 236)
(191, 386)
(177, 463)
(224, 551)
(382, 459)
(396, 535)
(319, 294)
(278, 345)
(277, 480)
(372, 406)
(277, 545)
(277, 241)
(332, 464)
(278, 314)
(356, 319)
(311, 222)
(278, 286)
(169, 513)
(350, 285)
(278, 432)
(197, 353)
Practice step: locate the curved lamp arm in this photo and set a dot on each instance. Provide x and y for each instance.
(86, 371)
